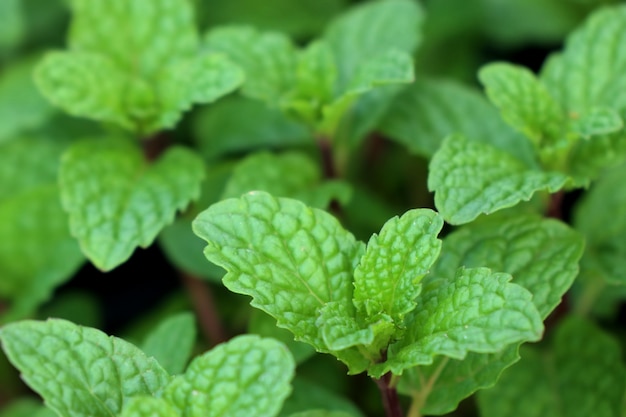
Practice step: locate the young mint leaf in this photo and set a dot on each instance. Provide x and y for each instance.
(598, 121)
(246, 376)
(583, 375)
(291, 259)
(541, 254)
(365, 32)
(290, 174)
(268, 59)
(429, 110)
(525, 103)
(606, 248)
(387, 279)
(80, 371)
(22, 107)
(142, 75)
(316, 76)
(117, 202)
(470, 178)
(171, 342)
(439, 387)
(148, 407)
(478, 311)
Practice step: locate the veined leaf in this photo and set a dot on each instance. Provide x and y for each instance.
(116, 202)
(80, 371)
(246, 376)
(476, 311)
(290, 258)
(584, 375)
(148, 407)
(470, 178)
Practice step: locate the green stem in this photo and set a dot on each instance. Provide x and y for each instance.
(389, 396)
(419, 398)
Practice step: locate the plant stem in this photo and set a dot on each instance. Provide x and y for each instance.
(203, 302)
(555, 207)
(389, 395)
(328, 160)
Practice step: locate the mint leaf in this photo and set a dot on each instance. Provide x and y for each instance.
(26, 407)
(116, 202)
(79, 370)
(525, 103)
(291, 259)
(22, 107)
(429, 110)
(365, 32)
(148, 407)
(321, 413)
(387, 279)
(290, 174)
(470, 178)
(268, 59)
(541, 254)
(477, 311)
(308, 396)
(171, 342)
(13, 29)
(141, 76)
(606, 246)
(598, 121)
(583, 375)
(243, 377)
(439, 387)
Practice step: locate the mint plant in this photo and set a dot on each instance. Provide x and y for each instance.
(358, 211)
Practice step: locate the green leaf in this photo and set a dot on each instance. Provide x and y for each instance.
(369, 30)
(525, 103)
(148, 407)
(117, 202)
(321, 413)
(606, 248)
(387, 279)
(598, 121)
(22, 107)
(80, 371)
(429, 110)
(439, 388)
(308, 396)
(268, 59)
(470, 178)
(476, 311)
(246, 376)
(541, 254)
(291, 259)
(171, 342)
(583, 375)
(290, 174)
(26, 407)
(218, 129)
(13, 27)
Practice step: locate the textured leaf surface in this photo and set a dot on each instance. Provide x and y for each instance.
(116, 202)
(21, 106)
(148, 407)
(370, 29)
(429, 110)
(541, 254)
(584, 375)
(470, 178)
(606, 240)
(290, 258)
(80, 371)
(290, 174)
(171, 342)
(524, 102)
(477, 311)
(246, 376)
(438, 388)
(387, 279)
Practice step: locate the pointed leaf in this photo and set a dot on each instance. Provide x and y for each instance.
(541, 254)
(429, 110)
(387, 279)
(290, 258)
(477, 311)
(116, 202)
(247, 376)
(171, 342)
(584, 375)
(470, 178)
(80, 371)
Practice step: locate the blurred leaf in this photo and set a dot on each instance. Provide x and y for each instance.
(171, 342)
(308, 395)
(12, 28)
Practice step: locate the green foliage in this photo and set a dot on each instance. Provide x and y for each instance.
(308, 191)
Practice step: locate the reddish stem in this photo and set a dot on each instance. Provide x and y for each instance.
(202, 299)
(389, 396)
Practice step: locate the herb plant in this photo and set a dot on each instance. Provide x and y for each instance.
(343, 212)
